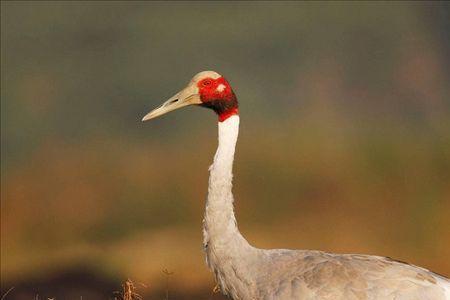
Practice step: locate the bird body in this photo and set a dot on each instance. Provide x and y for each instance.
(244, 272)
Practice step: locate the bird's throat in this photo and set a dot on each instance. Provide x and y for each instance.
(228, 113)
(223, 107)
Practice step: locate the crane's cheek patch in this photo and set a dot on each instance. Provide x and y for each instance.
(221, 87)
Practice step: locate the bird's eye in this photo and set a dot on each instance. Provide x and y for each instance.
(207, 82)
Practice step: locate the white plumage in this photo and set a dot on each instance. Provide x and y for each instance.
(247, 273)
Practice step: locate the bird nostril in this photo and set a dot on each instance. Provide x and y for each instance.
(173, 101)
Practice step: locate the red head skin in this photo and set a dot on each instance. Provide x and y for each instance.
(218, 95)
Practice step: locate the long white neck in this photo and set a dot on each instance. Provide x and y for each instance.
(224, 245)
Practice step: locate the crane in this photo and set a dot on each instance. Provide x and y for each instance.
(244, 272)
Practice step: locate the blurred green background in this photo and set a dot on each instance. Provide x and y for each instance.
(344, 144)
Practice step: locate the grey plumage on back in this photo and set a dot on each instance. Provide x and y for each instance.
(290, 274)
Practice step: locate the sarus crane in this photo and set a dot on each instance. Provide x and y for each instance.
(247, 273)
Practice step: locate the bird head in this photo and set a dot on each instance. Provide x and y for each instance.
(207, 89)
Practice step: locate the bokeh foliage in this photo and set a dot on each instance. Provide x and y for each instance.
(344, 146)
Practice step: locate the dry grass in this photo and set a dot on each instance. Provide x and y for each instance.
(6, 293)
(129, 291)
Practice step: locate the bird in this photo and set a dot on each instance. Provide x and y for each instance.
(244, 272)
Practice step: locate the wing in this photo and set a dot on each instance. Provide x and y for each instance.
(319, 275)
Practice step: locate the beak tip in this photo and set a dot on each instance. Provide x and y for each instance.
(146, 117)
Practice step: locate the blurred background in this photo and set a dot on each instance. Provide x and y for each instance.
(344, 144)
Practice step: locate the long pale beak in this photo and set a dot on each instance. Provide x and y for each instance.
(187, 96)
